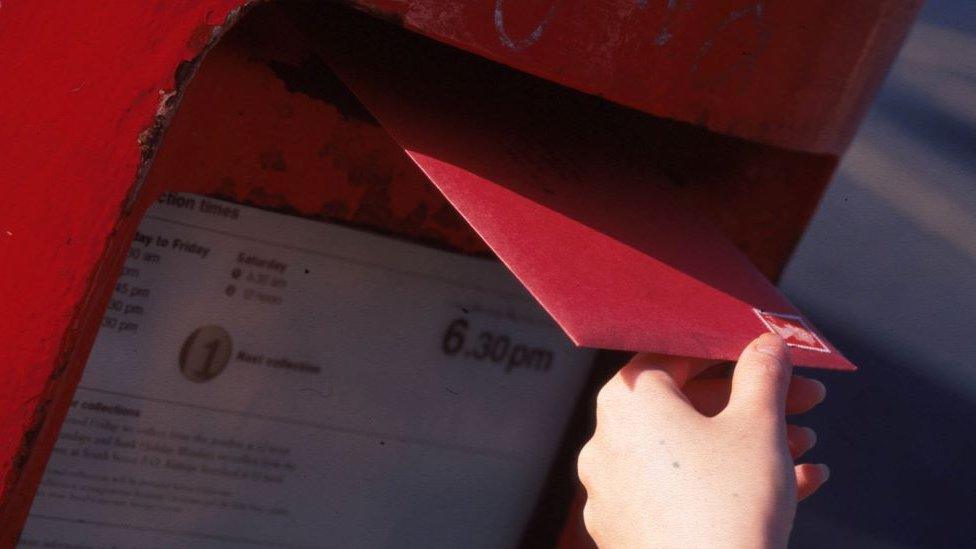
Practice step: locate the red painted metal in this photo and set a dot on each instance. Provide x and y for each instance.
(88, 88)
(792, 74)
(83, 83)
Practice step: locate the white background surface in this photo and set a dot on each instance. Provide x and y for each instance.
(394, 443)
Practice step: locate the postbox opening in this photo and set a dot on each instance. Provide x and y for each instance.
(266, 123)
(516, 155)
(759, 196)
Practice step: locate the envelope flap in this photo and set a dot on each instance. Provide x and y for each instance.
(570, 205)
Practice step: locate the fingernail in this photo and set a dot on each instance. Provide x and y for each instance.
(813, 438)
(822, 390)
(770, 345)
(826, 471)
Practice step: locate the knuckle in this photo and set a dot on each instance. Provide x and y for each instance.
(650, 381)
(589, 516)
(596, 520)
(769, 367)
(584, 464)
(606, 397)
(769, 364)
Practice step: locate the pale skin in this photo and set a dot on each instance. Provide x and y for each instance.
(682, 461)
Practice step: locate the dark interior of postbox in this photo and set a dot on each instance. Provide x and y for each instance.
(264, 122)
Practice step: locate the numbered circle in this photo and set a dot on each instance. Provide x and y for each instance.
(205, 353)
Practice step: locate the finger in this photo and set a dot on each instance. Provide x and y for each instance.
(804, 394)
(761, 379)
(710, 396)
(800, 439)
(641, 387)
(680, 369)
(649, 388)
(809, 478)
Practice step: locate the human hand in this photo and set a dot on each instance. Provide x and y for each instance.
(682, 462)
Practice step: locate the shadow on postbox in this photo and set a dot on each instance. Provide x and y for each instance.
(317, 339)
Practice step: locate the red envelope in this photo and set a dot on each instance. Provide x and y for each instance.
(568, 203)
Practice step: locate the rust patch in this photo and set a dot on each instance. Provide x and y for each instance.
(313, 78)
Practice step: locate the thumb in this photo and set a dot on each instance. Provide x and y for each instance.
(761, 378)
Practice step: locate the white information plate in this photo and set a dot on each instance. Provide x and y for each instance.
(266, 380)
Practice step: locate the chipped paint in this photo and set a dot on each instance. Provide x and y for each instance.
(519, 44)
(737, 64)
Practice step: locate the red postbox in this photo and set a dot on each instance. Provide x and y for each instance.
(586, 145)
